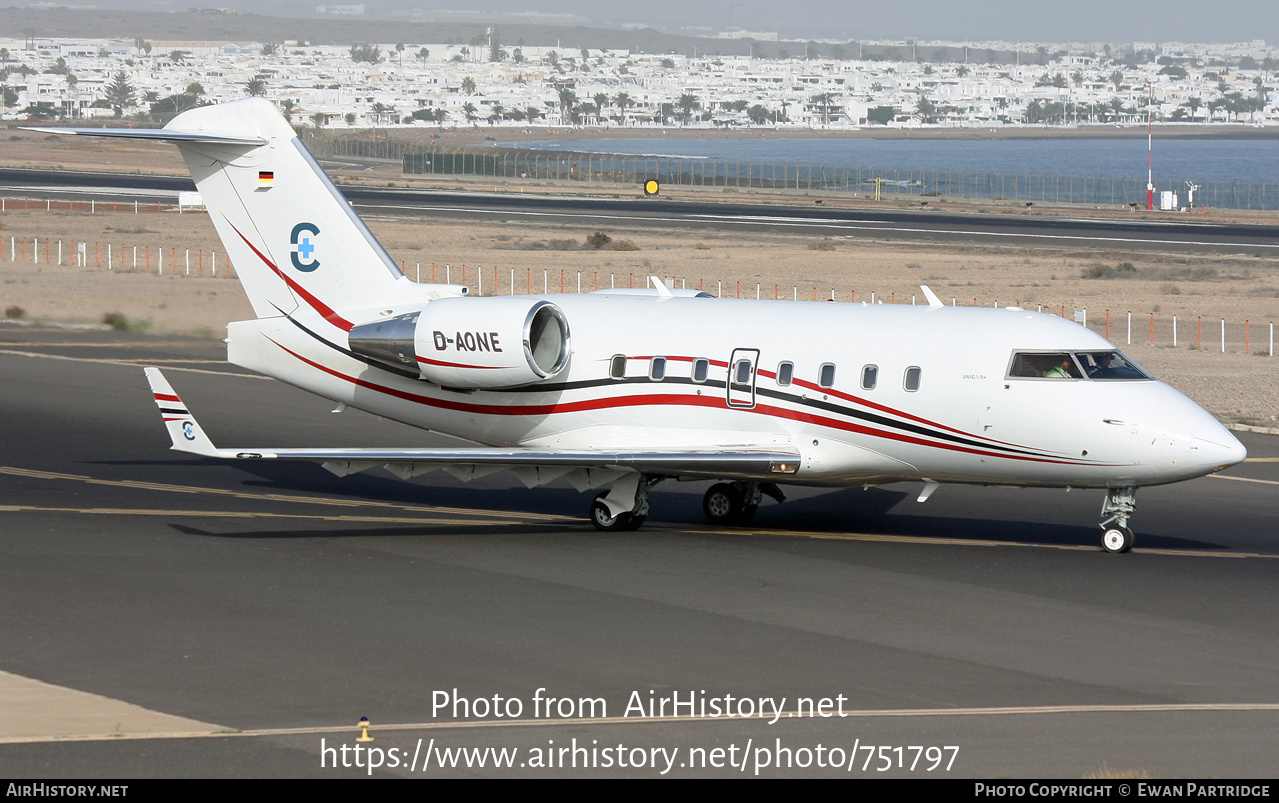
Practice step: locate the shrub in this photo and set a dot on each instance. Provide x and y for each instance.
(15, 312)
(1099, 271)
(598, 240)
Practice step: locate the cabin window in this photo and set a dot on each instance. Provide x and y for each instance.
(617, 367)
(870, 377)
(657, 369)
(826, 376)
(701, 366)
(785, 373)
(742, 372)
(1044, 365)
(911, 382)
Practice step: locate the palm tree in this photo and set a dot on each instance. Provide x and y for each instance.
(622, 100)
(288, 106)
(495, 116)
(688, 102)
(468, 85)
(399, 52)
(568, 98)
(927, 110)
(825, 100)
(423, 54)
(532, 113)
(601, 102)
(469, 110)
(256, 87)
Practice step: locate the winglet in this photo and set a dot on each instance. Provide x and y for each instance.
(933, 301)
(186, 434)
(660, 287)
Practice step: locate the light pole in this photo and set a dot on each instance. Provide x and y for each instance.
(1150, 151)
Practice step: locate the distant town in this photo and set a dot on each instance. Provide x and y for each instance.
(490, 82)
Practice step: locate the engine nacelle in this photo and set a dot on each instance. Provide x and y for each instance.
(490, 342)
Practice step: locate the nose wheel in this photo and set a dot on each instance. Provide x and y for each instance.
(605, 521)
(1116, 535)
(1117, 539)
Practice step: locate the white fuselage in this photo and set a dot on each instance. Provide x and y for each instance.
(967, 421)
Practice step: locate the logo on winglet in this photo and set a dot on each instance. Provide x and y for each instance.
(304, 248)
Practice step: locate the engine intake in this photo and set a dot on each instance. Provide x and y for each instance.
(471, 342)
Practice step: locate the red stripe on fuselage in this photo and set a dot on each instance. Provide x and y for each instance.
(642, 400)
(444, 364)
(166, 397)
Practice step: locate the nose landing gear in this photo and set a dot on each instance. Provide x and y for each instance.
(1116, 536)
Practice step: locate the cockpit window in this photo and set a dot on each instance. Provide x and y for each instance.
(1045, 365)
(1109, 365)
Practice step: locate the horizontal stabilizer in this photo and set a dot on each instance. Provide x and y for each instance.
(160, 134)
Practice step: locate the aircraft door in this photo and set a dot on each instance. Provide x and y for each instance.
(741, 377)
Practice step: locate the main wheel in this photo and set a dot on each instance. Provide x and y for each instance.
(1116, 539)
(722, 504)
(607, 522)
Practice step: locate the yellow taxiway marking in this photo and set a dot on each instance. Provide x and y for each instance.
(490, 517)
(578, 722)
(932, 541)
(248, 514)
(309, 500)
(166, 361)
(131, 364)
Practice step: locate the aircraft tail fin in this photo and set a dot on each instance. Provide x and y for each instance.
(294, 240)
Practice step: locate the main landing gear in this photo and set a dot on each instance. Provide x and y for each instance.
(1116, 536)
(625, 505)
(734, 503)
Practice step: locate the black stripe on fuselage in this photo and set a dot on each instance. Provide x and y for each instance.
(792, 398)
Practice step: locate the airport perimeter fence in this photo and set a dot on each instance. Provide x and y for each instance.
(883, 182)
(1121, 328)
(116, 257)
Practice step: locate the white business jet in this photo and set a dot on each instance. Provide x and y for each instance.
(619, 390)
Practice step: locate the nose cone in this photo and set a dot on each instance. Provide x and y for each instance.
(1214, 447)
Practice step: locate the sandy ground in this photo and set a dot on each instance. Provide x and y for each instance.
(1233, 385)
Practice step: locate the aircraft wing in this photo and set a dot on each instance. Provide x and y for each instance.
(533, 466)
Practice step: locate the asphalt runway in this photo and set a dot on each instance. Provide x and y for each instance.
(1194, 235)
(271, 605)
